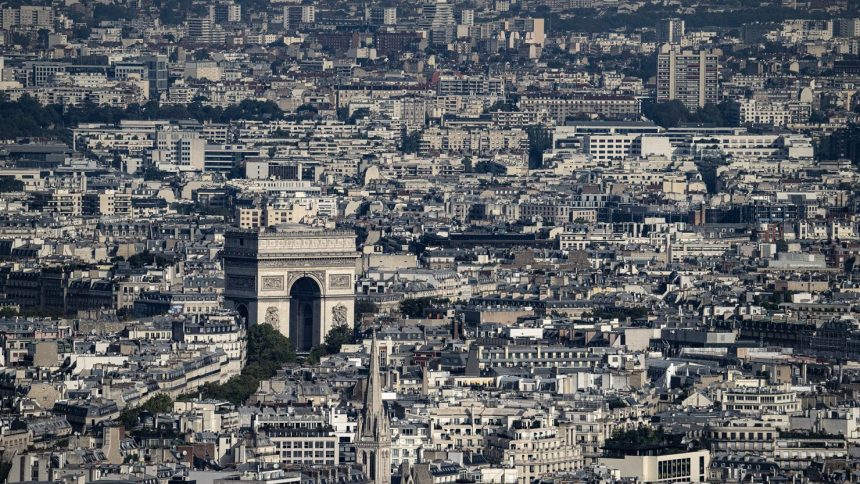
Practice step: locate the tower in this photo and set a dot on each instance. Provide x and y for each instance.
(670, 31)
(691, 77)
(373, 441)
(438, 20)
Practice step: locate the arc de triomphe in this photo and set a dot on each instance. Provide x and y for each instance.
(299, 279)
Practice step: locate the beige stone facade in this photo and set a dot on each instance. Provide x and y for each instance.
(298, 279)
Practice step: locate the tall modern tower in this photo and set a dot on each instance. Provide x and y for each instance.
(373, 442)
(691, 77)
(379, 15)
(438, 20)
(670, 31)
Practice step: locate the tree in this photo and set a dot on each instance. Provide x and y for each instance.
(22, 39)
(497, 106)
(409, 143)
(26, 117)
(672, 113)
(306, 112)
(151, 173)
(363, 306)
(334, 340)
(42, 38)
(235, 391)
(111, 12)
(487, 166)
(147, 257)
(647, 67)
(818, 117)
(201, 55)
(81, 32)
(634, 438)
(268, 347)
(416, 247)
(10, 184)
(159, 403)
(268, 350)
(708, 169)
(5, 468)
(710, 114)
(620, 313)
(592, 20)
(337, 337)
(415, 307)
(667, 114)
(316, 354)
(360, 113)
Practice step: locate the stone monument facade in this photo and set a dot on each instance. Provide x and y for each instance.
(298, 279)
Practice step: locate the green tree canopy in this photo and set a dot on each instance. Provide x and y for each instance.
(410, 142)
(336, 337)
(268, 350)
(670, 114)
(638, 437)
(414, 308)
(26, 117)
(10, 184)
(159, 403)
(363, 306)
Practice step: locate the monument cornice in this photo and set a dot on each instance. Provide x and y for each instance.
(252, 255)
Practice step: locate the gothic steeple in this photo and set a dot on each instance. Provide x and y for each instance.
(373, 439)
(374, 423)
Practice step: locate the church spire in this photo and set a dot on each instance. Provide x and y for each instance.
(373, 439)
(375, 424)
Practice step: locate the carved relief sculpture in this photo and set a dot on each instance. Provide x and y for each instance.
(272, 317)
(340, 281)
(338, 315)
(273, 283)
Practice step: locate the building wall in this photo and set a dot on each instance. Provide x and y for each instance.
(684, 467)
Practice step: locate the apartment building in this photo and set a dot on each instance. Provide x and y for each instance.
(467, 426)
(743, 436)
(674, 467)
(691, 77)
(775, 113)
(470, 86)
(305, 446)
(670, 31)
(754, 396)
(107, 203)
(534, 447)
(559, 108)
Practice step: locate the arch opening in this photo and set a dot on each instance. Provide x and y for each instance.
(242, 309)
(305, 313)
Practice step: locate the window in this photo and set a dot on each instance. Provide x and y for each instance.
(671, 469)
